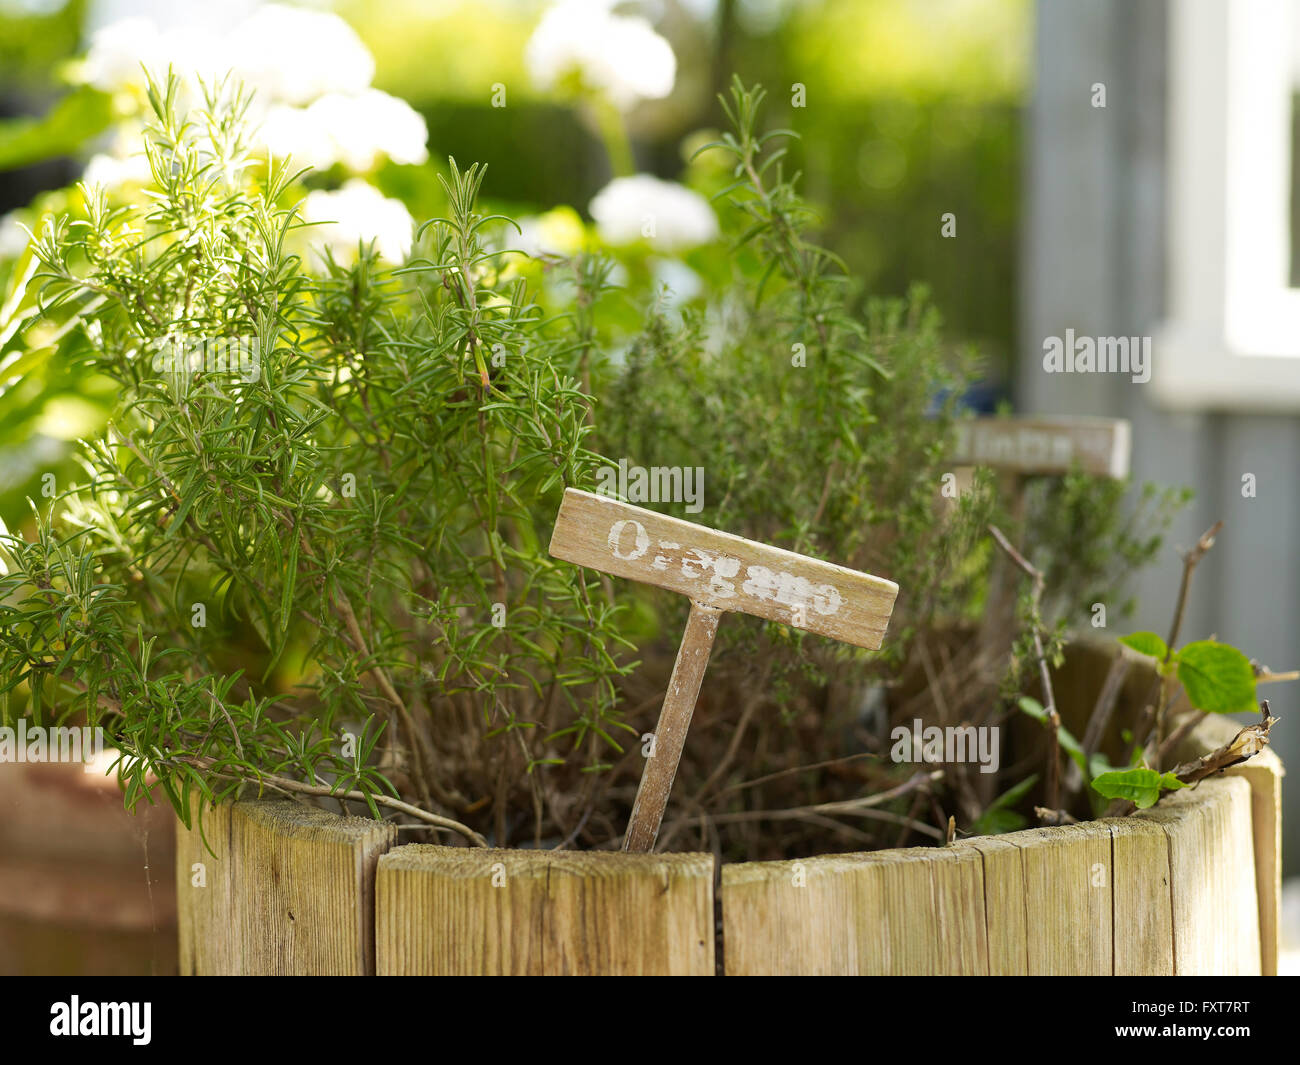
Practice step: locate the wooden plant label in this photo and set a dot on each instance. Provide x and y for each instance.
(719, 572)
(1045, 445)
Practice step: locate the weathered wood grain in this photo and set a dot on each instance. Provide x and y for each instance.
(1143, 913)
(1186, 887)
(722, 571)
(1212, 876)
(203, 902)
(1264, 774)
(913, 911)
(1068, 884)
(1045, 445)
(1005, 913)
(799, 918)
(448, 911)
(290, 891)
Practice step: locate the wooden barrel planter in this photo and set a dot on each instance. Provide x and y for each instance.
(1190, 886)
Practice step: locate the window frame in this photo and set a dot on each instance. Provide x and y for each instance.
(1231, 336)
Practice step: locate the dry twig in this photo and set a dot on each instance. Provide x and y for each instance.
(1053, 785)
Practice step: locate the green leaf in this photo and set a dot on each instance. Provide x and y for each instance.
(998, 817)
(1141, 786)
(997, 822)
(1146, 643)
(1218, 678)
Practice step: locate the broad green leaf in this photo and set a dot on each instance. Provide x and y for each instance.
(1141, 786)
(1146, 643)
(1218, 678)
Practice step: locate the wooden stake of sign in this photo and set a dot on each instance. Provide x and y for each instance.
(670, 733)
(719, 572)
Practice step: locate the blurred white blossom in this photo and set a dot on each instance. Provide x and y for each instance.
(288, 54)
(358, 212)
(293, 55)
(667, 216)
(113, 171)
(310, 74)
(357, 131)
(13, 238)
(619, 55)
(681, 282)
(120, 53)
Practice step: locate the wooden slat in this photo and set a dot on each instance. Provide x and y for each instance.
(670, 731)
(290, 891)
(722, 571)
(1046, 445)
(1143, 915)
(1004, 904)
(1068, 883)
(204, 924)
(797, 918)
(1212, 873)
(913, 911)
(1066, 890)
(1264, 774)
(439, 912)
(940, 932)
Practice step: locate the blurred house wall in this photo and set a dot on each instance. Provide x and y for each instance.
(1094, 259)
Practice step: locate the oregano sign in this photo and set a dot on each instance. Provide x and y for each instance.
(719, 572)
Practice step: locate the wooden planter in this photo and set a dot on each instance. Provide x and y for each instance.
(1188, 887)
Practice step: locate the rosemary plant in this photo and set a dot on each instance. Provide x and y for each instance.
(309, 552)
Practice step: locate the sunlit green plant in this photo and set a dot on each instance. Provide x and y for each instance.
(323, 570)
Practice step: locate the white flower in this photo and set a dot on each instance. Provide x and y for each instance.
(287, 131)
(118, 52)
(354, 130)
(618, 55)
(112, 172)
(682, 283)
(357, 131)
(358, 212)
(310, 73)
(13, 238)
(287, 54)
(292, 55)
(670, 217)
